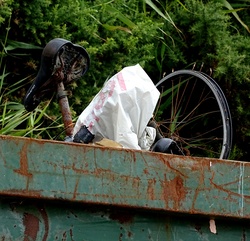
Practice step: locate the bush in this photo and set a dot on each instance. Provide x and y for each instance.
(161, 36)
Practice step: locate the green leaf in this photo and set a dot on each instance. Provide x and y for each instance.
(166, 16)
(112, 28)
(234, 12)
(11, 45)
(120, 16)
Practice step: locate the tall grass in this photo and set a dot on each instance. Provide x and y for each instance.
(236, 6)
(14, 119)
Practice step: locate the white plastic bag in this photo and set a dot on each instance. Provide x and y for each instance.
(122, 109)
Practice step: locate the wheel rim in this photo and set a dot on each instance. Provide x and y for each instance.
(194, 112)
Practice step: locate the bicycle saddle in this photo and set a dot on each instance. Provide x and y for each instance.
(61, 61)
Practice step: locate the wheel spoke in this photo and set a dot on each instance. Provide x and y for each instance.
(193, 111)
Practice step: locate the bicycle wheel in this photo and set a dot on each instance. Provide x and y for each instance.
(194, 112)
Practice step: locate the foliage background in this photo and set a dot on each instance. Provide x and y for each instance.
(160, 35)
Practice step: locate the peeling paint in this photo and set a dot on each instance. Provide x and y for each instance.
(151, 189)
(45, 221)
(23, 170)
(31, 224)
(212, 226)
(174, 191)
(124, 178)
(241, 189)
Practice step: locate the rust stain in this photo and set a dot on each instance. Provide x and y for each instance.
(133, 155)
(23, 170)
(64, 236)
(200, 186)
(71, 234)
(135, 182)
(79, 170)
(174, 190)
(22, 193)
(31, 224)
(167, 161)
(75, 189)
(121, 234)
(46, 222)
(151, 189)
(222, 188)
(122, 217)
(65, 110)
(130, 234)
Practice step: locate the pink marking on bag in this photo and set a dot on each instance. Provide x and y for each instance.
(121, 81)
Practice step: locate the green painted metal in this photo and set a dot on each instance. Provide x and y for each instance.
(28, 220)
(83, 173)
(66, 191)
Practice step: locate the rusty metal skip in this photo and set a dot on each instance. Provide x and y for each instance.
(54, 190)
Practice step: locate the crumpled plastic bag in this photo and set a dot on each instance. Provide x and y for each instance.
(122, 109)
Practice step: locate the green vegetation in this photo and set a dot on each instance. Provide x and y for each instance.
(212, 36)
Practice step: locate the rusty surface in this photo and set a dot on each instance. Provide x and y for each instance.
(65, 109)
(31, 226)
(31, 220)
(124, 178)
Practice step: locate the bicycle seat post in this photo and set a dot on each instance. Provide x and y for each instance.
(62, 63)
(65, 109)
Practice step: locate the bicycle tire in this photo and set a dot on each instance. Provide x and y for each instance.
(228, 123)
(219, 96)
